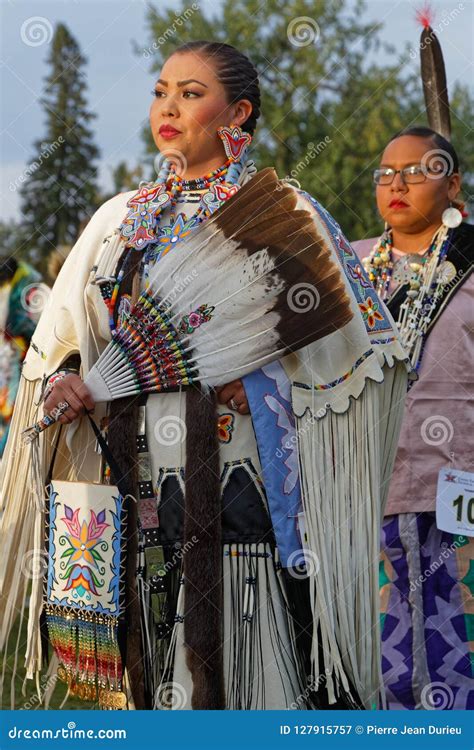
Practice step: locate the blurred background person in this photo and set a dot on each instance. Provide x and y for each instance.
(22, 298)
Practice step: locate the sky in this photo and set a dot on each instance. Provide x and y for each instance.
(120, 80)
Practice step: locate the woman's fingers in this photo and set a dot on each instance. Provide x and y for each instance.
(233, 394)
(70, 390)
(84, 395)
(227, 391)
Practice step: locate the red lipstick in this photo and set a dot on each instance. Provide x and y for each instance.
(397, 203)
(168, 131)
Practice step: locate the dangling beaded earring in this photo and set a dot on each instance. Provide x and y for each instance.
(235, 141)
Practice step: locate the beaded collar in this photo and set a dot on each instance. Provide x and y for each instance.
(141, 231)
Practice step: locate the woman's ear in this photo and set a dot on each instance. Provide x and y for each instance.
(243, 110)
(454, 186)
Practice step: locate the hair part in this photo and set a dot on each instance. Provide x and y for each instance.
(438, 141)
(235, 72)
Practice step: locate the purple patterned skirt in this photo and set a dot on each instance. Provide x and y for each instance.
(427, 604)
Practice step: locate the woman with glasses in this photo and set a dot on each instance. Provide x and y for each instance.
(421, 267)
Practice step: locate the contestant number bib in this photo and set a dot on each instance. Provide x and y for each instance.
(455, 502)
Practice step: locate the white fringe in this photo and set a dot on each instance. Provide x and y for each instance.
(348, 458)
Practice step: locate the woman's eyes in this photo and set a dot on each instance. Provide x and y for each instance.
(159, 94)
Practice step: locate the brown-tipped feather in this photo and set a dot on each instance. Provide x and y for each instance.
(435, 89)
(291, 238)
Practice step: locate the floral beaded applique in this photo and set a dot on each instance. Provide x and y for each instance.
(170, 235)
(369, 310)
(225, 427)
(83, 540)
(190, 322)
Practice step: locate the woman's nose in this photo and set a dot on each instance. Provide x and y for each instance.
(170, 107)
(398, 182)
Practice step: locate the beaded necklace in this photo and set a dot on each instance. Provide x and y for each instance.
(429, 275)
(140, 228)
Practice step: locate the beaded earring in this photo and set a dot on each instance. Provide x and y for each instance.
(235, 141)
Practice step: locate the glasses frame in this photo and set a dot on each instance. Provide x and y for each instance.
(425, 171)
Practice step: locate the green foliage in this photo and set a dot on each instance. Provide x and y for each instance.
(60, 190)
(324, 93)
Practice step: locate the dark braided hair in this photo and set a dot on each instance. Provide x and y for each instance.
(235, 72)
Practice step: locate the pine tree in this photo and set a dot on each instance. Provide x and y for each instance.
(60, 191)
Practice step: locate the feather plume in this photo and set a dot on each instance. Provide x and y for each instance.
(251, 284)
(433, 76)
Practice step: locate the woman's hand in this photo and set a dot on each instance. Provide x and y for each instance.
(70, 389)
(233, 394)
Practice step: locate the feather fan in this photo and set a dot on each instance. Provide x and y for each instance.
(251, 284)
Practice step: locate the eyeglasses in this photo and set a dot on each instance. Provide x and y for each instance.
(410, 175)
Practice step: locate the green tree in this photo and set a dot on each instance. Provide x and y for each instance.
(328, 109)
(60, 192)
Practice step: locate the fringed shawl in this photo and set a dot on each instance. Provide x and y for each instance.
(344, 400)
